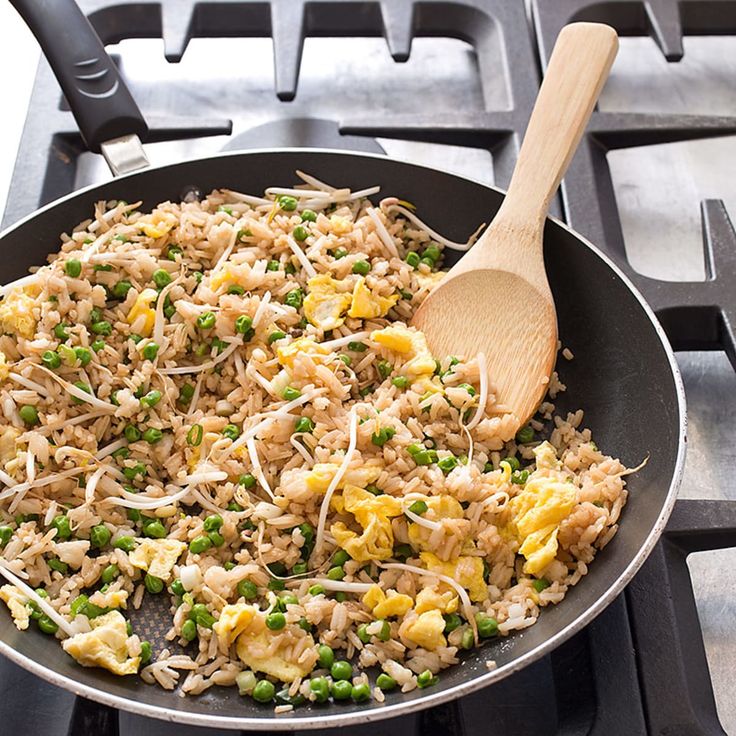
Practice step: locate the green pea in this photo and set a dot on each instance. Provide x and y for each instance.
(98, 345)
(366, 390)
(244, 324)
(153, 435)
(294, 298)
(101, 328)
(150, 351)
(361, 693)
(446, 464)
(154, 529)
(276, 585)
(132, 433)
(418, 507)
(153, 584)
(58, 566)
(300, 233)
(400, 382)
(325, 656)
(51, 359)
(200, 544)
(247, 480)
(316, 589)
(146, 652)
(412, 258)
(487, 625)
(136, 338)
(336, 573)
(129, 628)
(304, 424)
(46, 625)
(513, 462)
(248, 589)
(127, 544)
(276, 621)
(540, 585)
(287, 203)
(339, 253)
(340, 557)
(177, 588)
(363, 634)
(341, 670)
(361, 267)
(161, 278)
(374, 489)
(99, 536)
(61, 331)
(121, 289)
(385, 682)
(186, 392)
(229, 565)
(264, 691)
(73, 268)
(346, 359)
(62, 526)
(189, 630)
(29, 414)
(290, 393)
(384, 368)
(520, 477)
(273, 265)
(102, 267)
(426, 678)
(173, 252)
(384, 634)
(309, 216)
(206, 320)
(321, 690)
(133, 514)
(235, 289)
(201, 616)
(5, 534)
(341, 596)
(299, 568)
(231, 431)
(139, 469)
(151, 398)
(213, 523)
(357, 347)
(452, 622)
(276, 335)
(525, 435)
(342, 690)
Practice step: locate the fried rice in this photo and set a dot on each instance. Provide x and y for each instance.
(220, 401)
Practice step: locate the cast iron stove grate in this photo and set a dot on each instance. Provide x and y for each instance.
(640, 668)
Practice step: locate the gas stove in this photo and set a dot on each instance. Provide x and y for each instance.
(451, 85)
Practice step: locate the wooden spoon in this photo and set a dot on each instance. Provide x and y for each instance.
(496, 300)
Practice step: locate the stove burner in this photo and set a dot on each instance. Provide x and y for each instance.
(301, 133)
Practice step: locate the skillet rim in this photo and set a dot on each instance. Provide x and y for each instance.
(292, 721)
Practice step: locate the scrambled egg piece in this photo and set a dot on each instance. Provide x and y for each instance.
(429, 279)
(234, 620)
(111, 599)
(16, 314)
(443, 507)
(253, 649)
(467, 571)
(426, 630)
(325, 305)
(157, 224)
(546, 457)
(16, 602)
(142, 315)
(387, 604)
(536, 514)
(4, 367)
(412, 344)
(8, 449)
(340, 225)
(157, 556)
(105, 646)
(428, 599)
(320, 476)
(373, 514)
(367, 305)
(287, 353)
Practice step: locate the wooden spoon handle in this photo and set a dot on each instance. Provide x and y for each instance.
(577, 70)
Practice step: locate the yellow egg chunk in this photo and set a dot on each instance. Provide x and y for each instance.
(426, 630)
(157, 556)
(287, 353)
(16, 602)
(105, 646)
(367, 305)
(535, 515)
(465, 570)
(16, 314)
(8, 449)
(142, 315)
(438, 508)
(4, 367)
(373, 514)
(429, 599)
(157, 224)
(387, 604)
(234, 620)
(325, 305)
(411, 343)
(255, 649)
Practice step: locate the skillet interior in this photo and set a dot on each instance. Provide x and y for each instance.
(622, 376)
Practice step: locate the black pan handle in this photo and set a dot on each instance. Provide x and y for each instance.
(102, 105)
